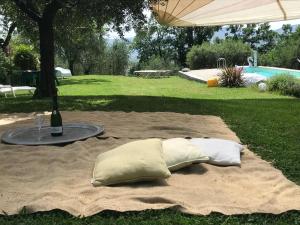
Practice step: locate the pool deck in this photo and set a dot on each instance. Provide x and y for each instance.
(205, 74)
(200, 75)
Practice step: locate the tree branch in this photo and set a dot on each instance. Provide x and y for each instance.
(9, 34)
(28, 10)
(69, 4)
(51, 9)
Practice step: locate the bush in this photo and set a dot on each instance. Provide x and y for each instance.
(294, 90)
(158, 63)
(24, 58)
(4, 68)
(231, 77)
(284, 84)
(202, 56)
(206, 55)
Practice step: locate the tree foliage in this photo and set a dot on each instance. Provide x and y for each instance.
(259, 36)
(168, 43)
(24, 58)
(285, 54)
(117, 58)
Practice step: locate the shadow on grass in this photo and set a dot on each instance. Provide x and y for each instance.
(157, 217)
(82, 81)
(152, 104)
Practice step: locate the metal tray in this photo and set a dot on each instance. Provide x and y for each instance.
(71, 132)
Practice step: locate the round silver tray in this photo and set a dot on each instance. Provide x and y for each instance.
(31, 136)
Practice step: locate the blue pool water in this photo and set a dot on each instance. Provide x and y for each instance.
(268, 72)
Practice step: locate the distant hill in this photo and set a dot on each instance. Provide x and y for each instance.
(280, 31)
(110, 41)
(221, 33)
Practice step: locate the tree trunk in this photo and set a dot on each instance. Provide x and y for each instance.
(190, 36)
(71, 66)
(47, 86)
(181, 54)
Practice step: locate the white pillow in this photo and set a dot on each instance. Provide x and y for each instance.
(179, 153)
(221, 152)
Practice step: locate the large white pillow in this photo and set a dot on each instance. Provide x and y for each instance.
(131, 162)
(179, 153)
(221, 152)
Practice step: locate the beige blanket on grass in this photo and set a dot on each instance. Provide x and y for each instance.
(43, 178)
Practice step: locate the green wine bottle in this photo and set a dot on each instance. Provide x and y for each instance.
(56, 121)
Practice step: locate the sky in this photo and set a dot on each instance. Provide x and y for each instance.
(277, 25)
(274, 26)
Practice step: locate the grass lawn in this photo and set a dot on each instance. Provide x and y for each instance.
(268, 123)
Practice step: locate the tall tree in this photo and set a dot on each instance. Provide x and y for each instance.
(43, 14)
(234, 32)
(287, 30)
(266, 37)
(118, 57)
(170, 43)
(44, 19)
(246, 33)
(152, 39)
(92, 53)
(259, 36)
(73, 36)
(185, 38)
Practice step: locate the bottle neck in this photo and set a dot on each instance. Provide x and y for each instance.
(54, 103)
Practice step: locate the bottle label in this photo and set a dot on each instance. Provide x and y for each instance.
(56, 130)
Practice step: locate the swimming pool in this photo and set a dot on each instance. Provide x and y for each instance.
(271, 71)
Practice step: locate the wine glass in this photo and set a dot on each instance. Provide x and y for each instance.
(39, 121)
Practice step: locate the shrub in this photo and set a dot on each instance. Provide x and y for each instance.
(284, 84)
(231, 77)
(294, 90)
(202, 56)
(206, 55)
(235, 52)
(158, 63)
(24, 58)
(281, 83)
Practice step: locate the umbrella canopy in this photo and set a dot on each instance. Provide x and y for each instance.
(222, 12)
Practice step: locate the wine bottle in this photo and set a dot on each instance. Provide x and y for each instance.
(56, 121)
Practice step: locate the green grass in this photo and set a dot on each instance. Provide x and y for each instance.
(268, 123)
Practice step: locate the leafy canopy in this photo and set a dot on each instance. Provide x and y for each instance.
(121, 15)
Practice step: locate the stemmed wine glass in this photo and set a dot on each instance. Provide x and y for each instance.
(39, 121)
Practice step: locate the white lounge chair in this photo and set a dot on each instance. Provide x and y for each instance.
(5, 89)
(62, 73)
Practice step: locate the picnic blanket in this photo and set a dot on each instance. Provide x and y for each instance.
(42, 178)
